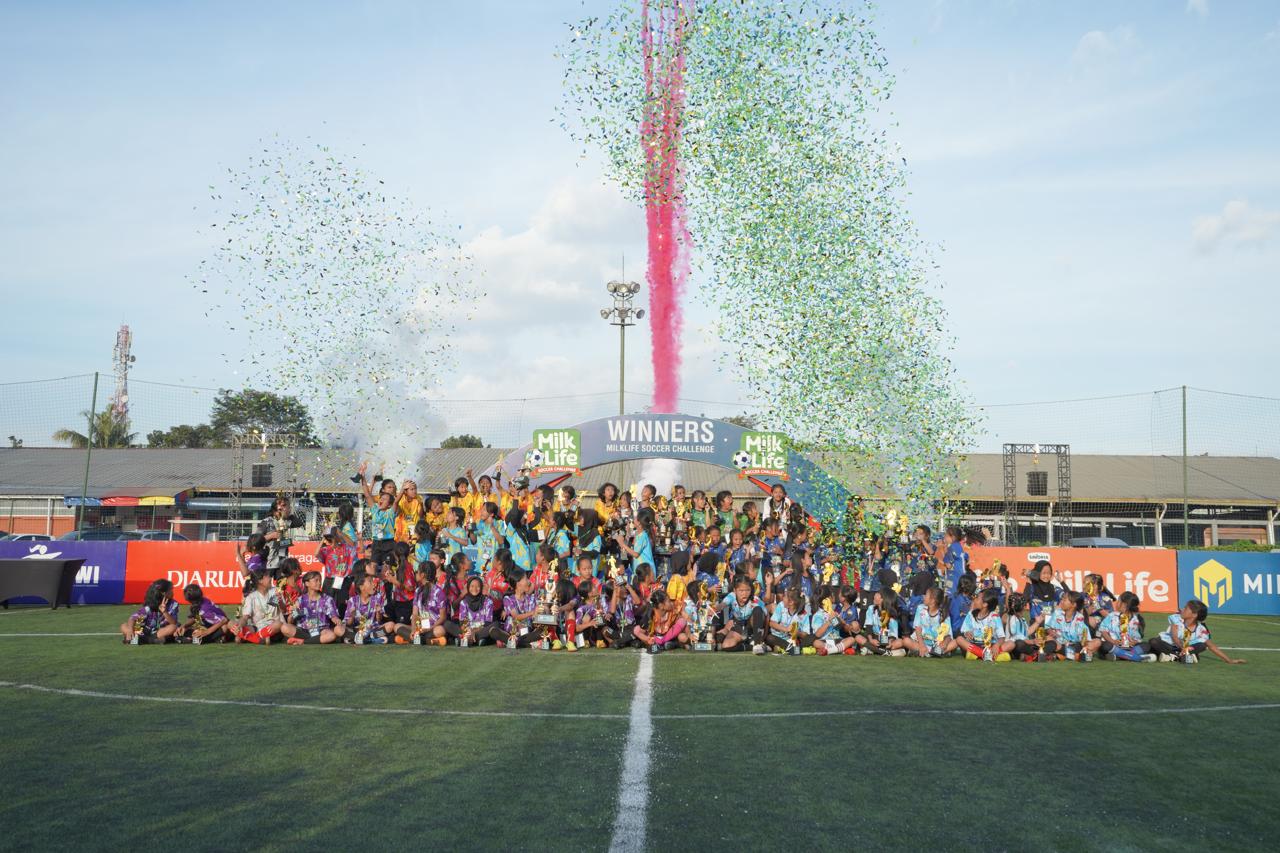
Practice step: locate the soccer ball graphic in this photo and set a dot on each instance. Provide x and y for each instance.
(534, 458)
(741, 459)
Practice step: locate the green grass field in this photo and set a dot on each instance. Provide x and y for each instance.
(101, 773)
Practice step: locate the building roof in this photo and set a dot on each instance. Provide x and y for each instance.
(142, 472)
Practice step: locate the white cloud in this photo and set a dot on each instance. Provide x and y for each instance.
(1200, 7)
(1239, 224)
(1097, 48)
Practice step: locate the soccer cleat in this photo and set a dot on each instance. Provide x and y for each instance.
(1109, 656)
(1003, 657)
(1149, 658)
(440, 641)
(1164, 658)
(808, 650)
(601, 644)
(251, 637)
(759, 649)
(897, 653)
(970, 656)
(401, 641)
(557, 645)
(294, 641)
(851, 651)
(571, 647)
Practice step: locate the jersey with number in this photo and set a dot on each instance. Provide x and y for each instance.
(983, 629)
(1073, 630)
(1177, 634)
(1017, 627)
(1111, 625)
(933, 626)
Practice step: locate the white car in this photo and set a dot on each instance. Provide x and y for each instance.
(26, 537)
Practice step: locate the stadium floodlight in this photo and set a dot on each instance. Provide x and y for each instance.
(622, 315)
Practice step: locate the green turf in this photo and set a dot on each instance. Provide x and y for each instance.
(107, 774)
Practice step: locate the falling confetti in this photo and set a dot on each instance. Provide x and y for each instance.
(795, 204)
(345, 297)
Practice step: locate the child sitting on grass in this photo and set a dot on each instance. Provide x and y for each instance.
(156, 621)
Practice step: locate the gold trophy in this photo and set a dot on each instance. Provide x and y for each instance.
(138, 624)
(616, 573)
(548, 599)
(463, 642)
(884, 627)
(362, 629)
(793, 644)
(703, 641)
(1125, 642)
(196, 624)
(986, 643)
(944, 628)
(421, 622)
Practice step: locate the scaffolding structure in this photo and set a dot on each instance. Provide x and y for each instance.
(1063, 509)
(244, 443)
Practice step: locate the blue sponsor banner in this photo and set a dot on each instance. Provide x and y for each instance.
(1231, 582)
(99, 581)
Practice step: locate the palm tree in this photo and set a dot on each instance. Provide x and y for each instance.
(108, 431)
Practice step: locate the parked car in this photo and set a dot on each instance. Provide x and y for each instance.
(26, 537)
(161, 536)
(1097, 542)
(97, 534)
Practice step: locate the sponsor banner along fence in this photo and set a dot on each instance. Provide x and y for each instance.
(1231, 581)
(210, 565)
(1150, 574)
(99, 581)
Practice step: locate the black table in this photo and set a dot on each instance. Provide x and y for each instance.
(51, 580)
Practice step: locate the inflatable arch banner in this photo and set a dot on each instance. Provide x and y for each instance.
(764, 458)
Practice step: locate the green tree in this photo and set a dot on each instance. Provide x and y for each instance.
(183, 435)
(108, 431)
(465, 440)
(260, 411)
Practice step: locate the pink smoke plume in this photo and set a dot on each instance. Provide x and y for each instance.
(668, 231)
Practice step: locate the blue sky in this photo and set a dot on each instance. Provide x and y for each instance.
(1101, 180)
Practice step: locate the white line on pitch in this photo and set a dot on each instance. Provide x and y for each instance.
(428, 712)
(85, 634)
(629, 826)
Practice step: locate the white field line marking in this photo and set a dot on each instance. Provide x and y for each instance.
(1254, 619)
(629, 825)
(1248, 649)
(428, 712)
(86, 634)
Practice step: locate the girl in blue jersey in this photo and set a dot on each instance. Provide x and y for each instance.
(931, 627)
(1069, 635)
(590, 544)
(880, 626)
(955, 562)
(1098, 601)
(641, 549)
(1121, 630)
(960, 604)
(454, 537)
(1017, 629)
(559, 539)
(1041, 591)
(824, 624)
(788, 626)
(1185, 638)
(982, 632)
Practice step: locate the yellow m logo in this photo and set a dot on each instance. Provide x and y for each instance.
(1212, 579)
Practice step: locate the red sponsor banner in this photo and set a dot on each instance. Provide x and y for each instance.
(210, 565)
(1151, 574)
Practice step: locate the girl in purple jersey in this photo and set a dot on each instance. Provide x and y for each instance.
(475, 616)
(314, 618)
(156, 621)
(206, 621)
(518, 607)
(430, 605)
(366, 613)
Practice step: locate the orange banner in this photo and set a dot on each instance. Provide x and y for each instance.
(210, 565)
(1151, 574)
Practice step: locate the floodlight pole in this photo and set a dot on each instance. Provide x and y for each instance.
(621, 315)
(88, 455)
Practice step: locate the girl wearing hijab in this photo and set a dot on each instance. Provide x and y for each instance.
(475, 616)
(1041, 591)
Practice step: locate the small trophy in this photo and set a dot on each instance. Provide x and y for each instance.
(462, 635)
(884, 627)
(137, 631)
(986, 643)
(511, 638)
(196, 625)
(1125, 641)
(362, 630)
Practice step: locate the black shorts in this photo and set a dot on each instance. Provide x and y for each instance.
(382, 550)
